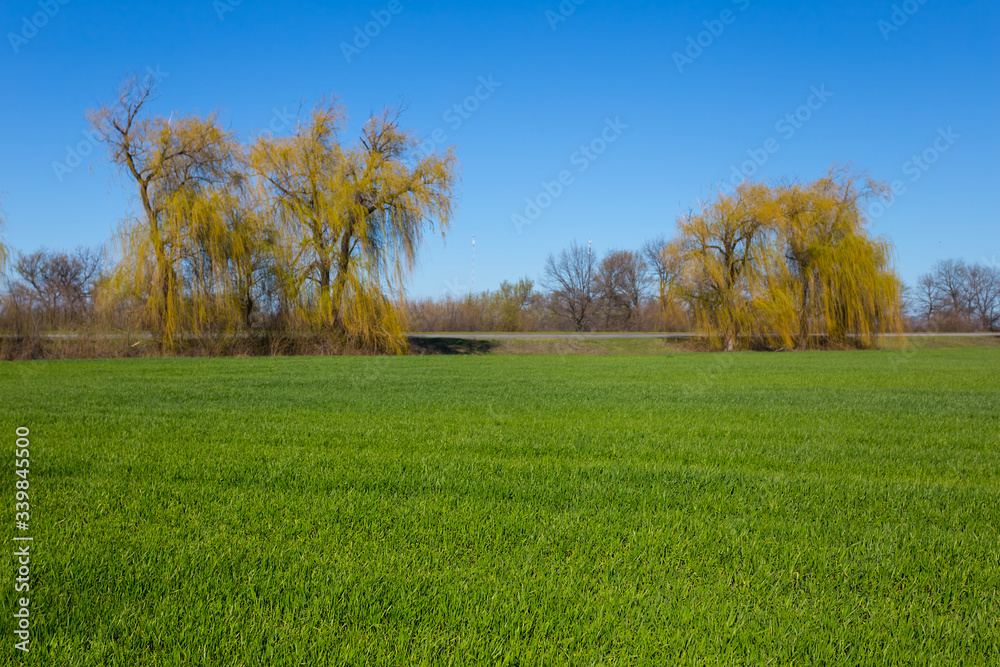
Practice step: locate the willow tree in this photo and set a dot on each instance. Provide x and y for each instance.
(351, 219)
(788, 265)
(841, 278)
(727, 259)
(172, 164)
(226, 244)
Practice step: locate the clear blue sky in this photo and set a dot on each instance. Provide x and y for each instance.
(894, 81)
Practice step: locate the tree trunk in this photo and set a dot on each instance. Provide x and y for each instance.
(343, 265)
(163, 317)
(804, 315)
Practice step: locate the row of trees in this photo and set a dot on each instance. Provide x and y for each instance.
(52, 290)
(599, 306)
(956, 296)
(953, 297)
(305, 233)
(302, 230)
(791, 265)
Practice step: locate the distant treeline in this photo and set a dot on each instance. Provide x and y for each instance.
(54, 291)
(953, 298)
(764, 266)
(956, 296)
(302, 244)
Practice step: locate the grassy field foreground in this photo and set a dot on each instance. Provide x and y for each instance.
(619, 510)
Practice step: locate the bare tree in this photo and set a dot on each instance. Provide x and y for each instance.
(664, 260)
(983, 289)
(570, 278)
(951, 278)
(926, 298)
(656, 253)
(622, 283)
(57, 287)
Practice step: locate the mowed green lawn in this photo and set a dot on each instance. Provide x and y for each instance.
(813, 508)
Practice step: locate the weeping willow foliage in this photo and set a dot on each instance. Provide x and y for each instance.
(175, 165)
(225, 249)
(205, 267)
(300, 228)
(789, 264)
(727, 253)
(842, 280)
(350, 221)
(172, 257)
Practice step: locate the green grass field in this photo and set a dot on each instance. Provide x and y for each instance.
(813, 508)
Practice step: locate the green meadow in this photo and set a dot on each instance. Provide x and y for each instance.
(554, 509)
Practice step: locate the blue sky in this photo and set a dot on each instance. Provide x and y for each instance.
(667, 98)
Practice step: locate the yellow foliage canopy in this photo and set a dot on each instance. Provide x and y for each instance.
(325, 232)
(350, 221)
(790, 265)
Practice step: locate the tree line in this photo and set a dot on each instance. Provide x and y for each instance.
(767, 266)
(307, 234)
(955, 296)
(603, 306)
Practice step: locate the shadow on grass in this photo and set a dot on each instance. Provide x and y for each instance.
(451, 346)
